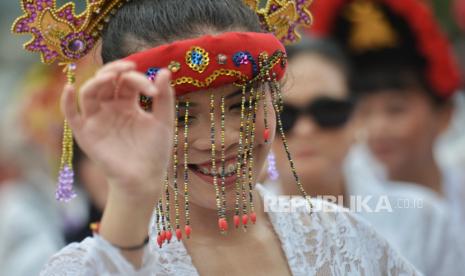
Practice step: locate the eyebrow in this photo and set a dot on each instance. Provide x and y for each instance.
(234, 94)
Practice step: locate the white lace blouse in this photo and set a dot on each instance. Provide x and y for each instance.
(323, 243)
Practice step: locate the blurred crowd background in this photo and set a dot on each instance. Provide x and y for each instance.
(30, 143)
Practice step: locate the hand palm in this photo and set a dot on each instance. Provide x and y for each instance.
(128, 144)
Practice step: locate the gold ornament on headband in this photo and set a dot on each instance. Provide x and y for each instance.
(59, 34)
(371, 29)
(283, 17)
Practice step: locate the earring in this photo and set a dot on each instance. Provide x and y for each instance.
(65, 191)
(273, 174)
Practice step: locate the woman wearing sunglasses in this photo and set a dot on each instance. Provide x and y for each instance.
(319, 130)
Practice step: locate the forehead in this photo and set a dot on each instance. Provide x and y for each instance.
(310, 76)
(203, 96)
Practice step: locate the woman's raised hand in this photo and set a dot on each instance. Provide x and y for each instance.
(131, 146)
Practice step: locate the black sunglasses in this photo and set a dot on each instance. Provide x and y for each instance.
(326, 112)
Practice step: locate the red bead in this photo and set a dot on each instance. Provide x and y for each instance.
(187, 230)
(253, 217)
(223, 224)
(163, 235)
(245, 219)
(169, 235)
(179, 234)
(160, 241)
(237, 221)
(266, 134)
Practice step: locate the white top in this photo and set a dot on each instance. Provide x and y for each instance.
(421, 225)
(324, 243)
(32, 224)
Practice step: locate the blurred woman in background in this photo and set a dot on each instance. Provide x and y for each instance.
(405, 77)
(317, 120)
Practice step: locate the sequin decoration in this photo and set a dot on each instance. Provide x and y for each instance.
(77, 45)
(245, 58)
(152, 73)
(222, 59)
(197, 59)
(144, 101)
(174, 66)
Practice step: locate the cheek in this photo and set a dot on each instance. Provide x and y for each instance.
(412, 128)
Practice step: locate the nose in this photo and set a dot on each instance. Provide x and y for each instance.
(203, 139)
(304, 126)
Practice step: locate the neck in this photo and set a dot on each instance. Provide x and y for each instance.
(329, 184)
(425, 173)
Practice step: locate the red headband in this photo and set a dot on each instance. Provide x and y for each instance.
(214, 61)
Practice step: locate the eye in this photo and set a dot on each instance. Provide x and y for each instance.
(236, 106)
(191, 120)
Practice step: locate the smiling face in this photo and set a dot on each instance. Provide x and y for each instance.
(317, 151)
(200, 171)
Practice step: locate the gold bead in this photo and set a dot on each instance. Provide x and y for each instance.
(174, 66)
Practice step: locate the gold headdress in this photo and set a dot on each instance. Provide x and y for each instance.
(371, 29)
(283, 17)
(59, 34)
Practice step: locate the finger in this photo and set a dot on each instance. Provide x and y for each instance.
(89, 101)
(163, 103)
(132, 84)
(69, 106)
(117, 67)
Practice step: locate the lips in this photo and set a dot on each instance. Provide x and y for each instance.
(207, 173)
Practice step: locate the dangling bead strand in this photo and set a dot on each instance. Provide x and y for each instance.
(223, 165)
(175, 172)
(251, 157)
(222, 225)
(277, 104)
(65, 191)
(187, 227)
(240, 157)
(169, 233)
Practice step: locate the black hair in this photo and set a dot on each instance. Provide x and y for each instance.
(140, 24)
(401, 67)
(325, 48)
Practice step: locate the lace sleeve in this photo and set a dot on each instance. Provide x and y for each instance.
(95, 256)
(336, 242)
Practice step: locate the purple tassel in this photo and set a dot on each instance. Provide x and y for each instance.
(272, 171)
(65, 190)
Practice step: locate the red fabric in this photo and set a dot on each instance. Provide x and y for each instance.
(227, 44)
(443, 71)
